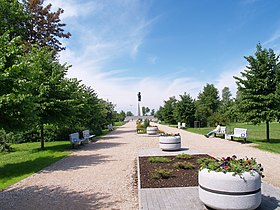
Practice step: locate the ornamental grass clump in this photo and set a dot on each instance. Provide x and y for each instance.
(161, 173)
(159, 160)
(231, 164)
(184, 165)
(183, 156)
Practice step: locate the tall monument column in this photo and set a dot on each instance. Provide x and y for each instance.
(139, 100)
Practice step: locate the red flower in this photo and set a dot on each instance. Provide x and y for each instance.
(226, 167)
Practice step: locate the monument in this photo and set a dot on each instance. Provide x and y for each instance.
(139, 107)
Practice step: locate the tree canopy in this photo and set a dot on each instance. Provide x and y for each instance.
(258, 86)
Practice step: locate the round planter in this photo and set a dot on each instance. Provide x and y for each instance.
(170, 142)
(225, 191)
(152, 130)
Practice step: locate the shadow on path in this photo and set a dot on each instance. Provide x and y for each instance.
(54, 197)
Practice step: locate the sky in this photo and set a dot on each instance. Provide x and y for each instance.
(163, 48)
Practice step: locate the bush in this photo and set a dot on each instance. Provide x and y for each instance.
(159, 160)
(5, 138)
(161, 173)
(183, 156)
(183, 165)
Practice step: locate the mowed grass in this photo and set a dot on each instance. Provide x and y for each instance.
(28, 159)
(257, 134)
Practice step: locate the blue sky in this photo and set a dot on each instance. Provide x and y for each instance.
(163, 48)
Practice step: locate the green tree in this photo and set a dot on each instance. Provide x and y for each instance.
(129, 113)
(258, 85)
(185, 109)
(168, 110)
(12, 18)
(152, 112)
(226, 104)
(207, 103)
(16, 103)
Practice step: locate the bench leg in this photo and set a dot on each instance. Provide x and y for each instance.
(73, 146)
(244, 141)
(231, 138)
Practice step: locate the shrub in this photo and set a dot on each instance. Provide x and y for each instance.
(184, 156)
(159, 160)
(5, 138)
(161, 173)
(183, 165)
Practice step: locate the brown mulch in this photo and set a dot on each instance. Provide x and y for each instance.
(178, 178)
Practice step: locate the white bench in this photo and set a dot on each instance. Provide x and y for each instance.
(222, 131)
(75, 139)
(239, 133)
(110, 127)
(87, 136)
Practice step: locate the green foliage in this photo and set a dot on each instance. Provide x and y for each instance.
(184, 156)
(161, 173)
(185, 109)
(168, 110)
(155, 159)
(231, 164)
(258, 87)
(183, 165)
(207, 103)
(5, 138)
(28, 159)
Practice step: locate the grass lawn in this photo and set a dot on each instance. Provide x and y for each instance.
(257, 134)
(28, 159)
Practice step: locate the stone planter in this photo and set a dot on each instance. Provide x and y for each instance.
(152, 130)
(170, 142)
(224, 191)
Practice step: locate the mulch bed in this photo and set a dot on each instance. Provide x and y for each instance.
(178, 178)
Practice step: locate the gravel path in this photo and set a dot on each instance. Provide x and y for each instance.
(101, 175)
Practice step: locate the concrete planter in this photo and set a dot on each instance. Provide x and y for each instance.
(170, 142)
(224, 191)
(152, 130)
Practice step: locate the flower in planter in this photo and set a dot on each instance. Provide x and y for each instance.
(231, 164)
(170, 134)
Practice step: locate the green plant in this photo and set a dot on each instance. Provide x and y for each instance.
(183, 156)
(5, 138)
(231, 164)
(170, 134)
(161, 173)
(183, 165)
(159, 160)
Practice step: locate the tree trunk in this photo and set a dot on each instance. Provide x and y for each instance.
(267, 131)
(42, 137)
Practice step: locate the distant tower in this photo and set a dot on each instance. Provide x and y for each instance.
(139, 100)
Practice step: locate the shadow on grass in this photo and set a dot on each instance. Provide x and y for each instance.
(54, 197)
(271, 141)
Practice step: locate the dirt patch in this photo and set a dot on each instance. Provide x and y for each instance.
(178, 177)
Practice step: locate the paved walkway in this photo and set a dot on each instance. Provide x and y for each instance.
(101, 175)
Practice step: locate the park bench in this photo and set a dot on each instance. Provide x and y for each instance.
(239, 133)
(222, 131)
(110, 127)
(87, 136)
(75, 139)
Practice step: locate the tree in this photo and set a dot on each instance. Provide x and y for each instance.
(16, 103)
(207, 103)
(168, 110)
(12, 18)
(185, 109)
(52, 101)
(44, 28)
(226, 104)
(129, 113)
(258, 85)
(153, 112)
